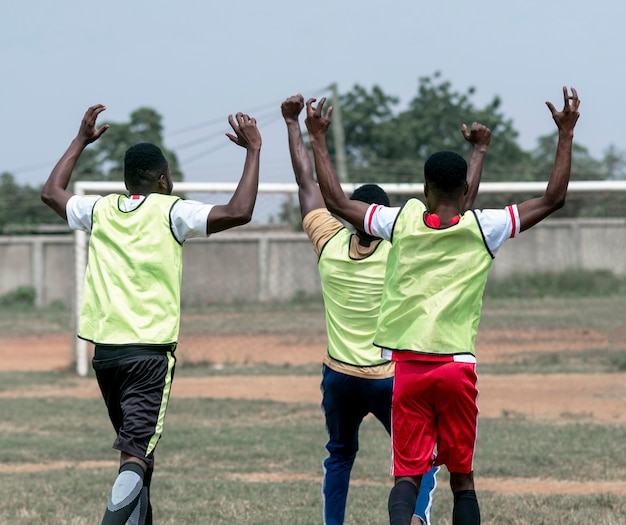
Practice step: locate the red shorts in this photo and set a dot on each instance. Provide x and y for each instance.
(434, 405)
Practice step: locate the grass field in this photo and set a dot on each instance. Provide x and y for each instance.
(258, 461)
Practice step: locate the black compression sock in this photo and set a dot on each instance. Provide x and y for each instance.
(466, 510)
(125, 494)
(142, 515)
(146, 487)
(401, 503)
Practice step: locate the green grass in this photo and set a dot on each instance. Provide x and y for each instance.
(600, 313)
(575, 284)
(259, 462)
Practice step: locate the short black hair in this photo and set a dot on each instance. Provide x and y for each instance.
(371, 194)
(445, 171)
(144, 163)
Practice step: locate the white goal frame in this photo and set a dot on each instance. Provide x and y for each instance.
(103, 188)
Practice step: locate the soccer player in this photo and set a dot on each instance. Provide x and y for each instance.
(356, 380)
(436, 272)
(131, 304)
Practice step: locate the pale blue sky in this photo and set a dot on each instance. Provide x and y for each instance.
(197, 61)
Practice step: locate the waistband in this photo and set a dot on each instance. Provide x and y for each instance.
(113, 351)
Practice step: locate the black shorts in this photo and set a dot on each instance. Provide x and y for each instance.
(135, 383)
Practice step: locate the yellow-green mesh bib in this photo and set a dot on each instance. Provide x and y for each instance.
(133, 277)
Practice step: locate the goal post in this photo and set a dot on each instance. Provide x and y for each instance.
(208, 189)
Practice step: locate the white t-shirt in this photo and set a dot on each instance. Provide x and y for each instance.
(497, 225)
(189, 218)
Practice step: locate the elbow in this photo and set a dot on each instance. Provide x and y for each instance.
(557, 203)
(245, 219)
(241, 218)
(46, 196)
(334, 205)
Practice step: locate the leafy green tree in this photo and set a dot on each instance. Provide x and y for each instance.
(615, 163)
(21, 208)
(584, 167)
(384, 144)
(104, 159)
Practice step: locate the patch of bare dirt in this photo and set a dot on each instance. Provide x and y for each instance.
(554, 397)
(56, 351)
(503, 486)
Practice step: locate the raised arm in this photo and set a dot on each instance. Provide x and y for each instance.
(54, 192)
(309, 194)
(535, 210)
(480, 137)
(352, 211)
(239, 209)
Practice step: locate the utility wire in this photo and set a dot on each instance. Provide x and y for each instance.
(222, 145)
(258, 109)
(218, 134)
(267, 114)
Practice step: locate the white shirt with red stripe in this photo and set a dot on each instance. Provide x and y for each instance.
(189, 217)
(497, 225)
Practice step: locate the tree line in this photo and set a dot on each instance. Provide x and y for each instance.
(382, 144)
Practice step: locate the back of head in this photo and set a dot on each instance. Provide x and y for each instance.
(446, 172)
(371, 194)
(144, 164)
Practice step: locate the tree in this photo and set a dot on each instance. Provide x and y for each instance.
(615, 163)
(386, 145)
(104, 160)
(21, 208)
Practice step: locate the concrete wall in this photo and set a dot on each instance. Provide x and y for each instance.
(258, 264)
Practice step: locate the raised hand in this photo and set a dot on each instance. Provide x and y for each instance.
(316, 123)
(292, 107)
(247, 134)
(566, 119)
(87, 133)
(478, 135)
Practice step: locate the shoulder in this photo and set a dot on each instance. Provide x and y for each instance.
(79, 211)
(185, 208)
(320, 226)
(380, 220)
(189, 218)
(506, 219)
(498, 225)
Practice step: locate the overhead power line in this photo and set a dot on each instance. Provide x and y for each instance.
(224, 143)
(265, 115)
(252, 112)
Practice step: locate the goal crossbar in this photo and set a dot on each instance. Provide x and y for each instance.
(103, 188)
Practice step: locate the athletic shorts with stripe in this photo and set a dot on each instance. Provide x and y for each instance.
(135, 383)
(434, 407)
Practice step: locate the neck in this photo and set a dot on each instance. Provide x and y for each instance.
(445, 210)
(364, 238)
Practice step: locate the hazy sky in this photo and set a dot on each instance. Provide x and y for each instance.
(195, 62)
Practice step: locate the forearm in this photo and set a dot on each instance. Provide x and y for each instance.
(300, 160)
(54, 192)
(474, 174)
(556, 190)
(239, 209)
(309, 194)
(243, 200)
(326, 177)
(535, 210)
(336, 201)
